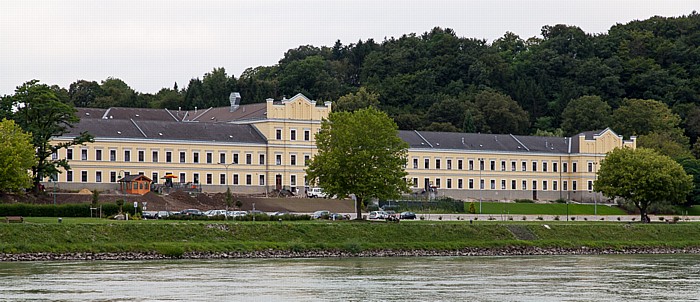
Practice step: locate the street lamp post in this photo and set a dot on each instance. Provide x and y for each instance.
(481, 182)
(595, 198)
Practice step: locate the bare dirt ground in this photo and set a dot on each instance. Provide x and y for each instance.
(179, 201)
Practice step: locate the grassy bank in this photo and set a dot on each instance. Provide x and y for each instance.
(545, 209)
(175, 238)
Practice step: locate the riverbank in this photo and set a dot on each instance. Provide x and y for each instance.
(206, 240)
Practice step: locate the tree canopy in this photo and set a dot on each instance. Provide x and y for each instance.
(643, 177)
(359, 153)
(37, 110)
(16, 157)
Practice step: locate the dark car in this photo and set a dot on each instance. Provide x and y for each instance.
(149, 215)
(191, 212)
(336, 216)
(407, 215)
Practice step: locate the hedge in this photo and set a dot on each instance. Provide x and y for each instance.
(64, 210)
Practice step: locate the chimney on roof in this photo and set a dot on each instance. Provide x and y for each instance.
(235, 99)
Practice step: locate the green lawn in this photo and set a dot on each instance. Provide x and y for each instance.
(545, 209)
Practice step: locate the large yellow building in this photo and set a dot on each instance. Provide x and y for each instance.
(262, 147)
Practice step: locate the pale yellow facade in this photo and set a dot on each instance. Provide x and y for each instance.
(288, 131)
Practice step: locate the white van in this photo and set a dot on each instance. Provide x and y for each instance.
(315, 193)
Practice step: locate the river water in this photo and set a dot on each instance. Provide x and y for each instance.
(532, 278)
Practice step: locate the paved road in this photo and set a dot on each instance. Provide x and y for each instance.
(486, 217)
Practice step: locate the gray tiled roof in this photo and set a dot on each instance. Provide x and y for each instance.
(224, 114)
(484, 142)
(169, 130)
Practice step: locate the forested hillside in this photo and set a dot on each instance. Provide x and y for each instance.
(561, 83)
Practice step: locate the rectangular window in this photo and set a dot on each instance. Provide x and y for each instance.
(261, 180)
(83, 154)
(83, 176)
(69, 154)
(292, 180)
(481, 164)
(554, 185)
(261, 159)
(449, 183)
(209, 177)
(69, 176)
(437, 163)
(183, 180)
(235, 179)
(503, 165)
(293, 160)
(222, 179)
(154, 157)
(503, 184)
(249, 159)
(182, 156)
(307, 135)
(544, 166)
(210, 158)
(292, 135)
(554, 167)
(565, 167)
(481, 184)
(471, 183)
(426, 163)
(307, 158)
(113, 176)
(565, 185)
(590, 185)
(278, 159)
(437, 182)
(195, 157)
(235, 158)
(460, 183)
(534, 166)
(493, 165)
(278, 134)
(493, 184)
(142, 155)
(512, 165)
(544, 185)
(512, 184)
(590, 167)
(415, 163)
(415, 182)
(54, 156)
(573, 167)
(459, 164)
(534, 185)
(471, 165)
(98, 176)
(154, 176)
(523, 166)
(524, 184)
(98, 154)
(127, 155)
(222, 158)
(573, 185)
(168, 157)
(449, 164)
(112, 155)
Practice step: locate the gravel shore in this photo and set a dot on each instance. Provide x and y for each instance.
(508, 251)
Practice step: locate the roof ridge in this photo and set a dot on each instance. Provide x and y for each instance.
(137, 127)
(519, 142)
(423, 138)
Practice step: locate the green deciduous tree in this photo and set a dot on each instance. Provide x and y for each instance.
(359, 153)
(38, 111)
(585, 114)
(643, 177)
(355, 101)
(16, 157)
(501, 114)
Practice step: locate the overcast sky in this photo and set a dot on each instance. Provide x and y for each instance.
(153, 44)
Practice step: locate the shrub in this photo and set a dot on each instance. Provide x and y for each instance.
(510, 218)
(556, 218)
(492, 218)
(618, 218)
(524, 201)
(585, 218)
(560, 200)
(634, 218)
(540, 218)
(170, 251)
(662, 219)
(524, 218)
(472, 209)
(676, 218)
(572, 218)
(602, 218)
(439, 217)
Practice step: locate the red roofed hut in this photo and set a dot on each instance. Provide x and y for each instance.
(135, 184)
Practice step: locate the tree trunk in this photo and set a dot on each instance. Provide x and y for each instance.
(358, 207)
(643, 213)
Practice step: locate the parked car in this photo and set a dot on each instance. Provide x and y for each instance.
(237, 213)
(191, 212)
(407, 215)
(212, 213)
(378, 215)
(163, 214)
(315, 193)
(319, 214)
(149, 215)
(336, 216)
